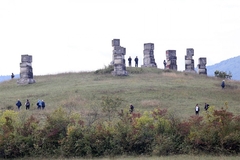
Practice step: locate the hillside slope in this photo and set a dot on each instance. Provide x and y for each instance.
(145, 88)
(229, 65)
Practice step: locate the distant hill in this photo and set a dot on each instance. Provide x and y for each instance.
(229, 65)
(7, 77)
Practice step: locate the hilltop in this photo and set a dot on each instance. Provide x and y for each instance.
(145, 88)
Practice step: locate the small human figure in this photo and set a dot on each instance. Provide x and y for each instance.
(136, 61)
(19, 104)
(129, 61)
(197, 109)
(131, 108)
(223, 84)
(43, 105)
(39, 104)
(27, 104)
(206, 106)
(164, 63)
(12, 76)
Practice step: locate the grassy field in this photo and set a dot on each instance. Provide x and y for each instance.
(145, 88)
(177, 157)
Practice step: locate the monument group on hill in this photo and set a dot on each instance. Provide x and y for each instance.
(118, 59)
(119, 64)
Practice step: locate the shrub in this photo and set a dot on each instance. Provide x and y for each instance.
(105, 70)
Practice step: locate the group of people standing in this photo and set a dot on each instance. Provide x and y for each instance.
(197, 108)
(40, 104)
(130, 61)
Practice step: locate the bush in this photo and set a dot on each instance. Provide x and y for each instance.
(105, 70)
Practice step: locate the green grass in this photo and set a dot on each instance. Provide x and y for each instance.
(145, 88)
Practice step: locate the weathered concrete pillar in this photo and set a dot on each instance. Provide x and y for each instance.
(118, 59)
(171, 59)
(148, 52)
(202, 65)
(26, 73)
(189, 61)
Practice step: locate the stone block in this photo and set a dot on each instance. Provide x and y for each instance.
(148, 52)
(170, 53)
(200, 66)
(119, 50)
(26, 58)
(116, 42)
(25, 64)
(202, 61)
(190, 52)
(149, 46)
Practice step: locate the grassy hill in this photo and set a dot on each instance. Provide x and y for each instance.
(145, 88)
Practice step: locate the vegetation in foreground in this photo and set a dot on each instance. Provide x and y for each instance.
(157, 132)
(87, 116)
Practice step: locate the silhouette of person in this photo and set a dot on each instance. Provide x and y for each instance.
(12, 76)
(129, 61)
(164, 63)
(197, 109)
(136, 61)
(27, 104)
(223, 84)
(18, 104)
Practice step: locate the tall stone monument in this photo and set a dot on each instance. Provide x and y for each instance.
(118, 59)
(148, 52)
(189, 61)
(171, 59)
(202, 65)
(26, 72)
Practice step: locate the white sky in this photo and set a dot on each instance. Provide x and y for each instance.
(76, 35)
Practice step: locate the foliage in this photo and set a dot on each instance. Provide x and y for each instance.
(110, 105)
(106, 70)
(222, 74)
(154, 132)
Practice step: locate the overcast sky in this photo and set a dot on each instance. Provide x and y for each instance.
(76, 35)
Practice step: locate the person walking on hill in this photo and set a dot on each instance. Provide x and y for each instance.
(223, 84)
(19, 104)
(197, 109)
(206, 106)
(131, 109)
(12, 76)
(129, 61)
(164, 63)
(136, 61)
(39, 104)
(43, 105)
(27, 104)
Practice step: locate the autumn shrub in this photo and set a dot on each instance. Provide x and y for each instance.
(53, 131)
(166, 141)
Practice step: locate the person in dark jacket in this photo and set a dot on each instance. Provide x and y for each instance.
(27, 104)
(39, 104)
(43, 105)
(223, 84)
(12, 76)
(131, 108)
(19, 104)
(136, 61)
(164, 63)
(206, 106)
(129, 61)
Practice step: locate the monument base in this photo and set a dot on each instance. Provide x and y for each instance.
(25, 81)
(119, 73)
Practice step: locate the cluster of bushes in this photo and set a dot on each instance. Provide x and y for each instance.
(222, 74)
(153, 133)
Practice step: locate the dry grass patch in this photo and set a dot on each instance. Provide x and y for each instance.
(151, 103)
